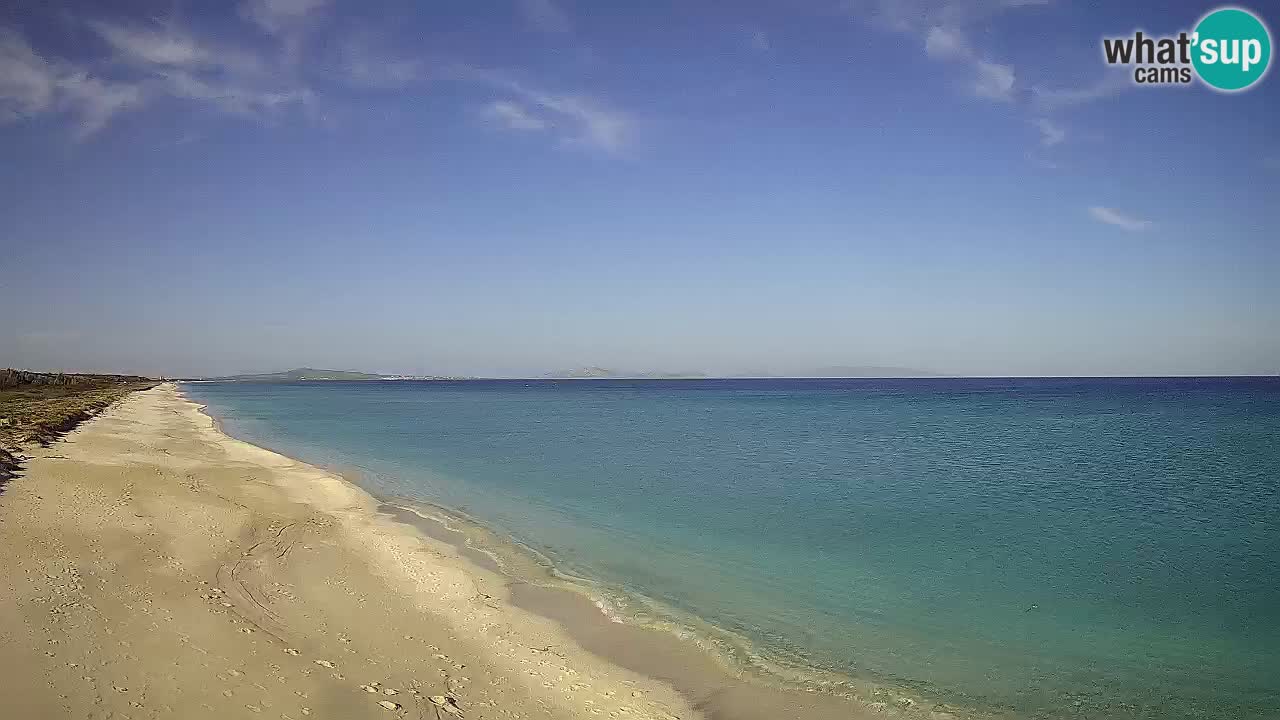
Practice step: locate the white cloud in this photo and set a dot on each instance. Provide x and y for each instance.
(364, 66)
(578, 119)
(229, 79)
(282, 16)
(991, 80)
(26, 79)
(1110, 84)
(382, 74)
(545, 16)
(589, 122)
(514, 115)
(1050, 133)
(946, 43)
(96, 101)
(171, 47)
(233, 98)
(759, 40)
(942, 26)
(919, 15)
(1112, 216)
(994, 81)
(288, 20)
(162, 48)
(32, 86)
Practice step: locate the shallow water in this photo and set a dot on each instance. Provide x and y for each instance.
(1058, 548)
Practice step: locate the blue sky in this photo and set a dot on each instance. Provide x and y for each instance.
(516, 186)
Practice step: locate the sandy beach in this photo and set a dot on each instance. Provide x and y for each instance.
(156, 567)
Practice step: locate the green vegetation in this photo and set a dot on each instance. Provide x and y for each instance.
(39, 407)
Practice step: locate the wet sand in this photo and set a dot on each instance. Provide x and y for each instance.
(712, 683)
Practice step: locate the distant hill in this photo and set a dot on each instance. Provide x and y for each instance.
(834, 371)
(869, 371)
(594, 372)
(590, 371)
(301, 374)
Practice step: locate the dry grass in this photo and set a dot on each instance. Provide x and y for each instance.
(40, 407)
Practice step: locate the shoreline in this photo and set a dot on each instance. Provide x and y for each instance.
(717, 672)
(171, 570)
(473, 562)
(716, 681)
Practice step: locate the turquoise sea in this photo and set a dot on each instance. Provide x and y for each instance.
(1044, 548)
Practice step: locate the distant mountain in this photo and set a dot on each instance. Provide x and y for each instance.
(589, 372)
(593, 372)
(869, 371)
(834, 371)
(675, 375)
(302, 374)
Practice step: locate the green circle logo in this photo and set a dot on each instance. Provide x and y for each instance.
(1232, 49)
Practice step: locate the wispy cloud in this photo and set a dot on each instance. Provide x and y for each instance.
(545, 16)
(159, 59)
(994, 81)
(1109, 85)
(31, 86)
(159, 46)
(941, 26)
(27, 81)
(362, 65)
(991, 80)
(234, 98)
(513, 115)
(231, 80)
(96, 101)
(1050, 133)
(279, 17)
(289, 21)
(945, 44)
(1111, 216)
(577, 119)
(156, 45)
(947, 29)
(919, 15)
(758, 40)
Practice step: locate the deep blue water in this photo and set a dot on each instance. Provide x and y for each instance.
(1101, 548)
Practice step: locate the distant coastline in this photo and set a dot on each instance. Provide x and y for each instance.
(602, 374)
(314, 374)
(583, 373)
